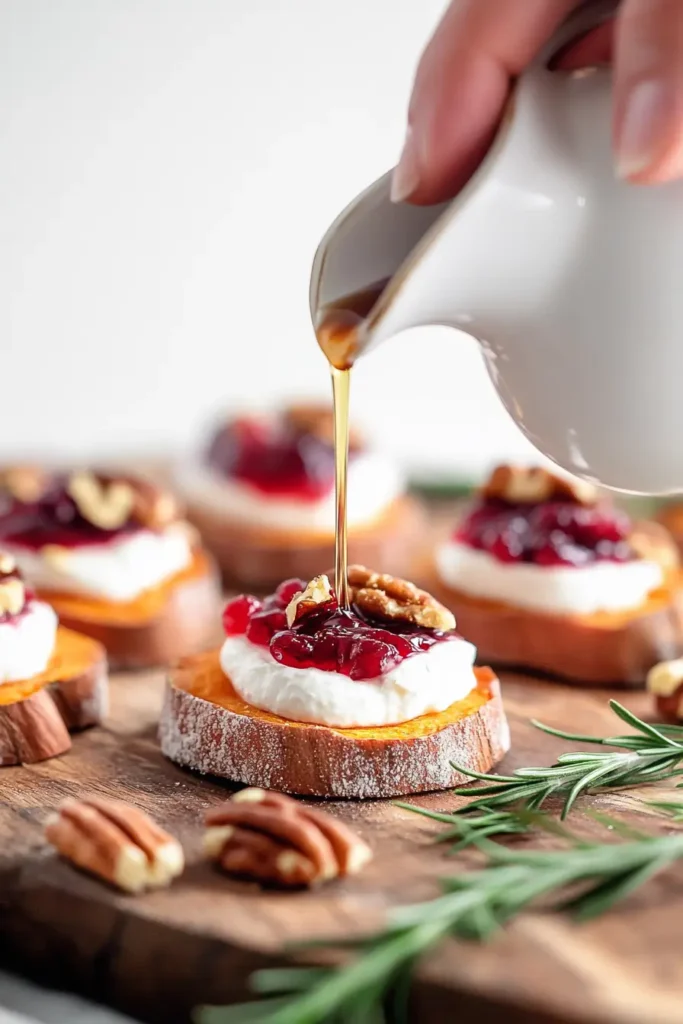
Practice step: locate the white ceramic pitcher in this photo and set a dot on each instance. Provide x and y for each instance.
(571, 281)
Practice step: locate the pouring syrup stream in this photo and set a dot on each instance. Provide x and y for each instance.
(341, 381)
(337, 329)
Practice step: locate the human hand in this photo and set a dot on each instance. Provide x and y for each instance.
(480, 46)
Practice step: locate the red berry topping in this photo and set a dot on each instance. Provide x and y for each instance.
(327, 638)
(263, 624)
(289, 589)
(344, 642)
(53, 516)
(552, 533)
(238, 612)
(279, 458)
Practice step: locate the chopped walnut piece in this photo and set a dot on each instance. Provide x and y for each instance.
(7, 563)
(105, 504)
(531, 485)
(117, 842)
(25, 483)
(273, 839)
(12, 596)
(316, 593)
(387, 597)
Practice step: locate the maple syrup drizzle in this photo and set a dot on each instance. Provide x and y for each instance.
(341, 380)
(337, 330)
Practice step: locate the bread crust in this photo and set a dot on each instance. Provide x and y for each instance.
(207, 727)
(38, 714)
(605, 648)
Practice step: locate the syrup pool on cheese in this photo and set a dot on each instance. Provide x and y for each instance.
(299, 656)
(94, 534)
(539, 542)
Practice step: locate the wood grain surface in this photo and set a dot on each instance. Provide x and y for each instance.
(157, 956)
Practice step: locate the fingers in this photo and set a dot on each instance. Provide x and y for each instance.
(461, 86)
(595, 48)
(648, 117)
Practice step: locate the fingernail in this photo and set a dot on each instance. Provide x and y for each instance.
(406, 176)
(639, 140)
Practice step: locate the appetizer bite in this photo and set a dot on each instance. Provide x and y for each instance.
(52, 680)
(114, 558)
(262, 498)
(305, 697)
(544, 574)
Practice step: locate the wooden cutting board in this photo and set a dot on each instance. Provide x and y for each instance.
(157, 956)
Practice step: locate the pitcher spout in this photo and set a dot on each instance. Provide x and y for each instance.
(364, 255)
(479, 263)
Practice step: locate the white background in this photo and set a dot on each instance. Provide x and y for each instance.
(167, 168)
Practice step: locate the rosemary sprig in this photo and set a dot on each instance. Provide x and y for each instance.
(649, 755)
(468, 829)
(673, 809)
(475, 904)
(472, 907)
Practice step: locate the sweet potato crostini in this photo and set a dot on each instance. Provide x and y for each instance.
(114, 557)
(51, 679)
(379, 700)
(262, 498)
(543, 574)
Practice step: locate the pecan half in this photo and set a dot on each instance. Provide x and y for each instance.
(270, 838)
(318, 591)
(533, 484)
(117, 842)
(388, 597)
(105, 504)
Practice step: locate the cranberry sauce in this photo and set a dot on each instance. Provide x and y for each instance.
(54, 518)
(552, 533)
(280, 459)
(327, 638)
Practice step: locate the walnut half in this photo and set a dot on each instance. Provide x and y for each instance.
(530, 485)
(105, 504)
(393, 599)
(108, 502)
